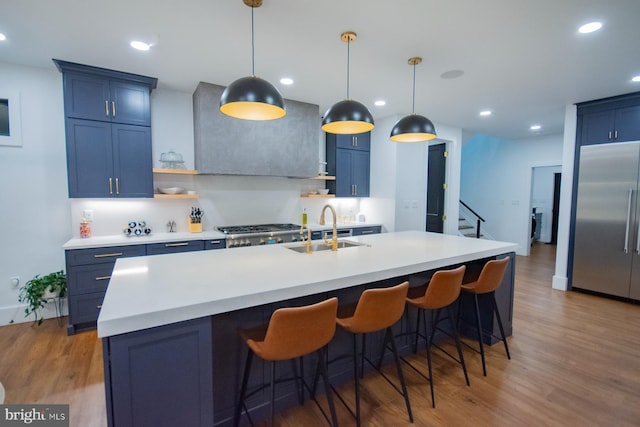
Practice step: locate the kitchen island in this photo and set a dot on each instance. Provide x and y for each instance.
(168, 322)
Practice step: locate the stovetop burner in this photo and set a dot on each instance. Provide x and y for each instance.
(261, 228)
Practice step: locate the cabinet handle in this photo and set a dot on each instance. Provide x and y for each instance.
(106, 108)
(103, 278)
(171, 245)
(117, 185)
(108, 255)
(110, 185)
(355, 189)
(99, 307)
(355, 139)
(615, 135)
(113, 108)
(366, 231)
(215, 242)
(610, 135)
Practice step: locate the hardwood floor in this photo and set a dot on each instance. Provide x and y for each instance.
(575, 361)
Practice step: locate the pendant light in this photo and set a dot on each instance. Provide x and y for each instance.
(348, 116)
(252, 98)
(414, 127)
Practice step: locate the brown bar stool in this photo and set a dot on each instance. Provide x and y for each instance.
(292, 332)
(376, 310)
(442, 291)
(489, 280)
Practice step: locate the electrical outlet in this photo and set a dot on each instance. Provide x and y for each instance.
(15, 281)
(88, 214)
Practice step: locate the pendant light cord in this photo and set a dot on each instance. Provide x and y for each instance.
(413, 102)
(348, 65)
(253, 58)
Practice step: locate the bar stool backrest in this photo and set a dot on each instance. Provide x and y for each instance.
(296, 331)
(491, 276)
(379, 308)
(443, 289)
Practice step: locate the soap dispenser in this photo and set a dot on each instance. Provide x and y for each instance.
(304, 216)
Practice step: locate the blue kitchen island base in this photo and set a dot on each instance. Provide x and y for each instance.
(188, 373)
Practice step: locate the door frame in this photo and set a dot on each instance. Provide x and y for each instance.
(526, 232)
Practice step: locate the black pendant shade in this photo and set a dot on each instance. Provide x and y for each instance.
(347, 117)
(414, 127)
(252, 98)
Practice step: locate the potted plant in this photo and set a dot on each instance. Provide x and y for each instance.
(37, 291)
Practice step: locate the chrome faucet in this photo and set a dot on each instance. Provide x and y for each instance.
(307, 242)
(334, 240)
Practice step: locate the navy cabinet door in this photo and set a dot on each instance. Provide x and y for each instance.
(161, 376)
(133, 165)
(86, 97)
(597, 128)
(361, 141)
(627, 126)
(360, 173)
(130, 103)
(89, 158)
(344, 184)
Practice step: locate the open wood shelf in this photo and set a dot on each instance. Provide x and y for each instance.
(325, 177)
(176, 196)
(318, 196)
(176, 171)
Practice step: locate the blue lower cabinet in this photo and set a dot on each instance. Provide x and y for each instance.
(361, 231)
(215, 244)
(161, 376)
(174, 247)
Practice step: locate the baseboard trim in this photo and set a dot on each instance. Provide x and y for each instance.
(15, 313)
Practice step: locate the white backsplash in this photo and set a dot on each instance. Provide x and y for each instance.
(225, 200)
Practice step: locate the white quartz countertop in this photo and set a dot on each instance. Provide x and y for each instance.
(157, 290)
(123, 240)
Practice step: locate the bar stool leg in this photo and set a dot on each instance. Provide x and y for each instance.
(273, 393)
(243, 389)
(396, 357)
(504, 338)
(356, 376)
(429, 340)
(322, 364)
(415, 345)
(458, 346)
(479, 327)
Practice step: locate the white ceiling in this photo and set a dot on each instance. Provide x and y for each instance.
(523, 59)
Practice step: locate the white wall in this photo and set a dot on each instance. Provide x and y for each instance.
(399, 178)
(34, 211)
(496, 181)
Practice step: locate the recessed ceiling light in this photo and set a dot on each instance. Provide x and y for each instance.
(380, 103)
(2, 37)
(636, 79)
(286, 81)
(451, 74)
(535, 127)
(590, 27)
(140, 45)
(486, 113)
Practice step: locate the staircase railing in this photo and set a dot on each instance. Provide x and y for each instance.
(479, 219)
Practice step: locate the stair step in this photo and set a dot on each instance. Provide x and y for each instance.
(465, 227)
(472, 235)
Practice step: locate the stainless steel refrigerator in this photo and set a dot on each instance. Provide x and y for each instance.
(607, 227)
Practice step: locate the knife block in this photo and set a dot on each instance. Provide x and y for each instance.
(194, 227)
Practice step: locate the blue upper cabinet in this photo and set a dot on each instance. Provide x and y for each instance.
(108, 129)
(348, 159)
(609, 120)
(97, 98)
(361, 141)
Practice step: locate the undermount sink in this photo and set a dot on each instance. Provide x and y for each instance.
(322, 247)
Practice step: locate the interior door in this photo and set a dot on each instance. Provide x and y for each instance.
(436, 174)
(605, 217)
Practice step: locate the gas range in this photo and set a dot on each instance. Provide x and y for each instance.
(262, 234)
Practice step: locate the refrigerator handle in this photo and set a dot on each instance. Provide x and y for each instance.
(626, 233)
(638, 240)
